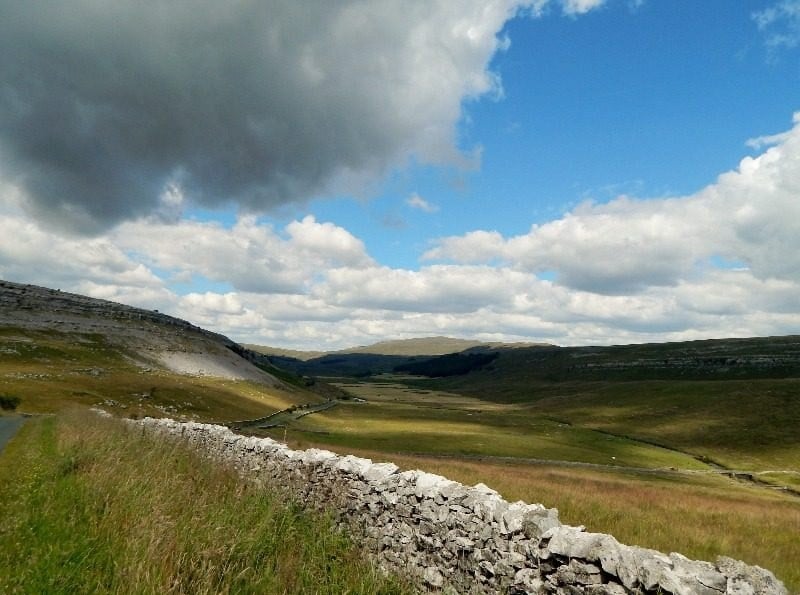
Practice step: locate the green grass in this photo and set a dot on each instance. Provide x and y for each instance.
(743, 415)
(49, 371)
(89, 506)
(483, 427)
(695, 512)
(746, 424)
(699, 515)
(399, 419)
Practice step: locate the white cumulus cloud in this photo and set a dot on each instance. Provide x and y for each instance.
(750, 215)
(581, 6)
(249, 256)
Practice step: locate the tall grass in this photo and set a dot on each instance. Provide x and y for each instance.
(89, 506)
(700, 516)
(54, 371)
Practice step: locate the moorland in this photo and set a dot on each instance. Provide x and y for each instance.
(691, 447)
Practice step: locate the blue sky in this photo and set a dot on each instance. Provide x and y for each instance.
(578, 171)
(651, 100)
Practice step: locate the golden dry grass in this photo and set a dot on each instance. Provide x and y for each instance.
(701, 516)
(50, 371)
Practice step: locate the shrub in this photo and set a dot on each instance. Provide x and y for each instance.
(9, 403)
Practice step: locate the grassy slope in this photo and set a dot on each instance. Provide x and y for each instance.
(744, 415)
(697, 513)
(91, 507)
(50, 370)
(399, 419)
(513, 412)
(748, 424)
(743, 424)
(735, 402)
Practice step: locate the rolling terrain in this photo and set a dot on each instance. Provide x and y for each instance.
(690, 447)
(381, 357)
(59, 349)
(634, 440)
(730, 403)
(91, 506)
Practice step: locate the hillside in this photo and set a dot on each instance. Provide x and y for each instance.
(515, 365)
(58, 348)
(150, 338)
(404, 347)
(692, 431)
(377, 358)
(90, 506)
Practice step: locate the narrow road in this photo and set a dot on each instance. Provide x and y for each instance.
(8, 427)
(281, 417)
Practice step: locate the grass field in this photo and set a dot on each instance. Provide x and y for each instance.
(89, 506)
(400, 419)
(634, 457)
(684, 395)
(746, 424)
(699, 515)
(641, 493)
(743, 424)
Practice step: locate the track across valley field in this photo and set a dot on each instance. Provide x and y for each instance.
(8, 427)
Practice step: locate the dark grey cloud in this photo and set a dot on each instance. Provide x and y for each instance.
(102, 104)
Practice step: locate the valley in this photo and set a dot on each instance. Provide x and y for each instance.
(690, 457)
(691, 447)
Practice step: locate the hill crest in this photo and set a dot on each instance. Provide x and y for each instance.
(417, 346)
(149, 337)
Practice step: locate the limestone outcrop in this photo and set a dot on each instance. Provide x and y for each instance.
(151, 338)
(458, 539)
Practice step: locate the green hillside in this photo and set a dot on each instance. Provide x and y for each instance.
(690, 447)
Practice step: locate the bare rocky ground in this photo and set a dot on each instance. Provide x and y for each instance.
(151, 339)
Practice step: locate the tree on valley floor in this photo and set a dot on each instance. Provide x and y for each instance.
(9, 403)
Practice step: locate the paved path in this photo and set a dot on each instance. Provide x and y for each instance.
(8, 427)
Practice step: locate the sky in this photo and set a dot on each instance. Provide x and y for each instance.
(319, 175)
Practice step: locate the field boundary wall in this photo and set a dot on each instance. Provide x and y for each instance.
(453, 538)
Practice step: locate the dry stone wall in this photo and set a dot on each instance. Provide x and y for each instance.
(458, 539)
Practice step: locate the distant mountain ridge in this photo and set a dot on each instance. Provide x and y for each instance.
(418, 346)
(155, 338)
(498, 364)
(378, 358)
(513, 374)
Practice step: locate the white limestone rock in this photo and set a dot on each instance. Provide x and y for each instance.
(378, 472)
(451, 535)
(433, 577)
(748, 580)
(353, 465)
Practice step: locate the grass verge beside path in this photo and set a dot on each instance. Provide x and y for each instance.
(89, 506)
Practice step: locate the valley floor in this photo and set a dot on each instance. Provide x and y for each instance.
(640, 491)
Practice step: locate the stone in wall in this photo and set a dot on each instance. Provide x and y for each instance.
(457, 539)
